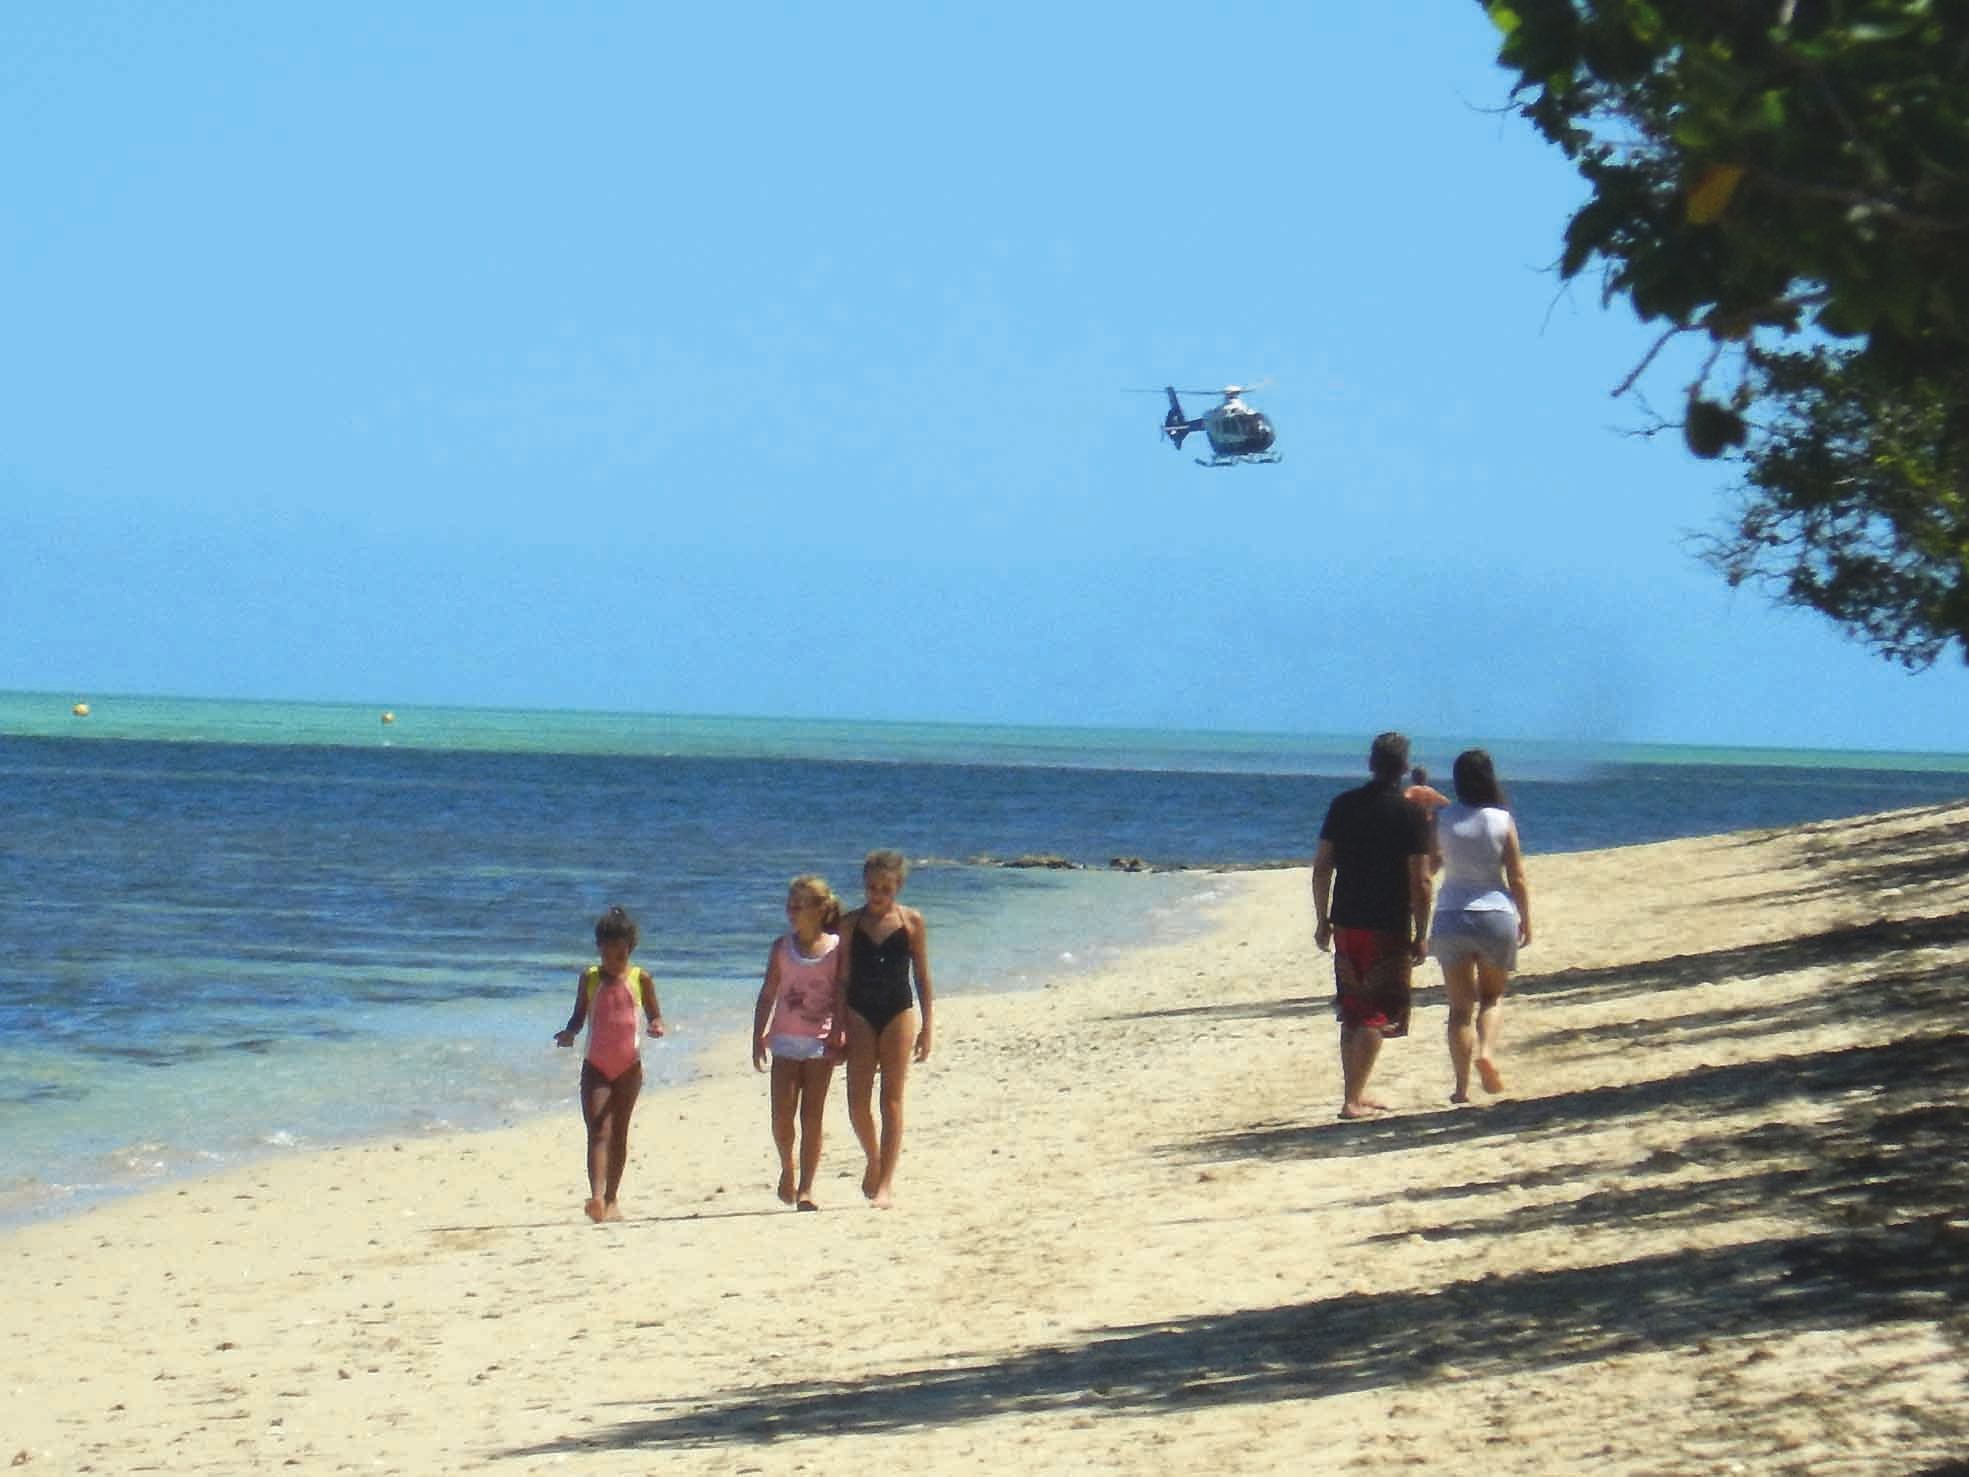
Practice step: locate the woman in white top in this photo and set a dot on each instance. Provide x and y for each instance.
(1483, 917)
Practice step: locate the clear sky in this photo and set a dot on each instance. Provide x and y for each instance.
(768, 359)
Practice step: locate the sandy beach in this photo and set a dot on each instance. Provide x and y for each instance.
(1716, 1222)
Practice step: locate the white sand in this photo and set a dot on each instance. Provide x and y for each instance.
(1715, 1224)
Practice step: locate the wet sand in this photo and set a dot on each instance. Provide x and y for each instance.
(1717, 1221)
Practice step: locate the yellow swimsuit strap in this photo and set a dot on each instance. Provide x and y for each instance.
(591, 981)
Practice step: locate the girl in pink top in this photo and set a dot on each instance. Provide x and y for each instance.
(611, 998)
(792, 1022)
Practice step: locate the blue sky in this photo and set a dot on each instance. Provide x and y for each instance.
(768, 359)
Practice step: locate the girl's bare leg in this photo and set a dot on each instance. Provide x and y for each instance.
(893, 1051)
(1460, 980)
(815, 1078)
(623, 1093)
(862, 1046)
(595, 1118)
(605, 1108)
(1490, 1015)
(786, 1093)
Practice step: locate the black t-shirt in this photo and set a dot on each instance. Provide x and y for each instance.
(1374, 832)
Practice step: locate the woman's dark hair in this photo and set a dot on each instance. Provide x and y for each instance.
(1475, 778)
(616, 924)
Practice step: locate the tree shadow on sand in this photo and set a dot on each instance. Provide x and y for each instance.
(1889, 1171)
(1307, 1350)
(1881, 854)
(1922, 1065)
(1850, 947)
(1257, 1010)
(1910, 991)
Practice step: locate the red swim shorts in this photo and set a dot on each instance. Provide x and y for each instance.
(1371, 980)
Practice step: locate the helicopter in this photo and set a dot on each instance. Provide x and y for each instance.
(1237, 432)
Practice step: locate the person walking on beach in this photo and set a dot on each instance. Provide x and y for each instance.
(1421, 792)
(882, 944)
(792, 1023)
(611, 998)
(1483, 917)
(1371, 903)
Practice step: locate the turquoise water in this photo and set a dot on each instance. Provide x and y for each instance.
(514, 730)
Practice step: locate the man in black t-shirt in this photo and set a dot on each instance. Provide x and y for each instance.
(1374, 914)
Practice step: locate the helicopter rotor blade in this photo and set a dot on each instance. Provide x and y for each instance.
(1213, 390)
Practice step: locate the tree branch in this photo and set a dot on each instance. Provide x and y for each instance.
(1901, 216)
(1642, 368)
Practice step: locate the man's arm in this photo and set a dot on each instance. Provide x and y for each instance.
(1421, 892)
(1323, 896)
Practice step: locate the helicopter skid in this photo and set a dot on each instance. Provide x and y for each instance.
(1252, 459)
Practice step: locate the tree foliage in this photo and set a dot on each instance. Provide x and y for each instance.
(1789, 179)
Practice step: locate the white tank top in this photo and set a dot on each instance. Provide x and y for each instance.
(1472, 839)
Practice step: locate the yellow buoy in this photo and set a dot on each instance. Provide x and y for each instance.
(80, 710)
(389, 717)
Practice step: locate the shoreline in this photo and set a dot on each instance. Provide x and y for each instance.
(698, 1050)
(1133, 1237)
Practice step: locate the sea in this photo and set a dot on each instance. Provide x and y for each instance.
(237, 929)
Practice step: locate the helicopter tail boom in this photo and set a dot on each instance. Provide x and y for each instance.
(1176, 425)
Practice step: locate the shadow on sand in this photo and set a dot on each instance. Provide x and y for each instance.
(1853, 947)
(1881, 854)
(1497, 1325)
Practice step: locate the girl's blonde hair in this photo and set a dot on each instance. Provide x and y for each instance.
(886, 861)
(816, 890)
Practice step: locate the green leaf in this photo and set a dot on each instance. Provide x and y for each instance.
(1869, 33)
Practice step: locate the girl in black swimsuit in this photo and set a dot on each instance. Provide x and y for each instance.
(882, 945)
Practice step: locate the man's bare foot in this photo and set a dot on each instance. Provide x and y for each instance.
(883, 1198)
(786, 1187)
(1362, 1109)
(1460, 1096)
(1493, 1079)
(870, 1181)
(807, 1202)
(613, 1212)
(594, 1208)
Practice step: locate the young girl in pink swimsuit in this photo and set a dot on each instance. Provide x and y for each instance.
(792, 1022)
(611, 998)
